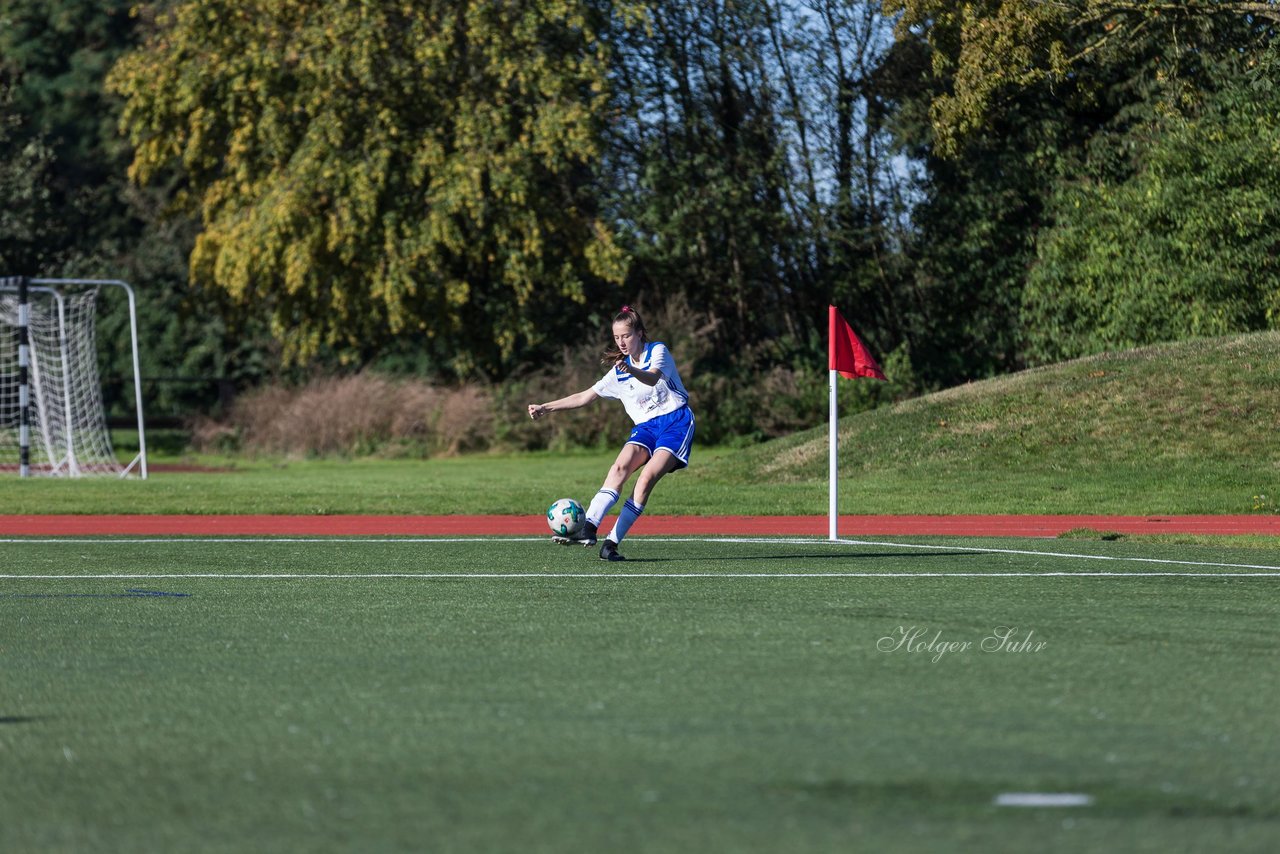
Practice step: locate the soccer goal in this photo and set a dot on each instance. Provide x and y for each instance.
(52, 418)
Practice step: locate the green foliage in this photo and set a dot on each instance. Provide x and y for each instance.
(989, 50)
(372, 170)
(965, 259)
(55, 53)
(1185, 247)
(981, 47)
(1039, 113)
(26, 210)
(53, 56)
(465, 190)
(700, 167)
(67, 210)
(974, 239)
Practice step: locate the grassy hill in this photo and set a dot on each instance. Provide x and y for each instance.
(1187, 427)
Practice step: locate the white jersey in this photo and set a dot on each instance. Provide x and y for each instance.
(645, 402)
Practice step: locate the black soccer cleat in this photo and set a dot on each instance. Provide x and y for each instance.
(609, 551)
(586, 537)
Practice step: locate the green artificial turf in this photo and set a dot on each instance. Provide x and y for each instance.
(159, 709)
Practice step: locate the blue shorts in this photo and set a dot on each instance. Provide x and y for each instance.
(672, 432)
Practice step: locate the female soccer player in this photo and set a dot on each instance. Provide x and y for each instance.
(643, 376)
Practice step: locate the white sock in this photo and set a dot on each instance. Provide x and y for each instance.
(630, 513)
(601, 505)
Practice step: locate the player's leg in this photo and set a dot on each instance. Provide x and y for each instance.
(671, 448)
(630, 458)
(661, 463)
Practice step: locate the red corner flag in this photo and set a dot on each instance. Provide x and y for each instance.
(848, 357)
(846, 352)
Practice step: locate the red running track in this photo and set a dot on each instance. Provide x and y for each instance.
(795, 526)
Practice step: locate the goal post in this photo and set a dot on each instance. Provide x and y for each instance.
(52, 417)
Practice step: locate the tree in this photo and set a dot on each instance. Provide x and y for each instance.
(25, 208)
(839, 101)
(696, 163)
(371, 170)
(53, 56)
(751, 170)
(973, 231)
(1186, 246)
(989, 49)
(1031, 105)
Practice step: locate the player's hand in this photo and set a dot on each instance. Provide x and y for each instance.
(536, 411)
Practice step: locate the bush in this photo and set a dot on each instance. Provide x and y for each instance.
(361, 413)
(1184, 248)
(757, 398)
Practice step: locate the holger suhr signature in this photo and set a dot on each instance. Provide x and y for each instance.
(922, 640)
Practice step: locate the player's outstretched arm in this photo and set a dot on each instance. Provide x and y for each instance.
(573, 401)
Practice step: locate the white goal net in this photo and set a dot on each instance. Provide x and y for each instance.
(66, 431)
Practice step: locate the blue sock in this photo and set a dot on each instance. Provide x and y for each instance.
(630, 513)
(601, 505)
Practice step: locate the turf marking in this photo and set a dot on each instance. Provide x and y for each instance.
(1165, 561)
(1262, 570)
(457, 576)
(177, 540)
(1043, 799)
(128, 594)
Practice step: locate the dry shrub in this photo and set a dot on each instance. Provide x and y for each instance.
(464, 420)
(368, 413)
(210, 434)
(690, 335)
(415, 403)
(787, 399)
(600, 424)
(358, 414)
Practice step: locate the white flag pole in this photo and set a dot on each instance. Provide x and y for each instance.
(834, 430)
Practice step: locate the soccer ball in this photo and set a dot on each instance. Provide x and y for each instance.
(566, 517)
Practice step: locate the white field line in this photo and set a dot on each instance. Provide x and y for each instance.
(1043, 799)
(1262, 570)
(456, 576)
(178, 540)
(1070, 555)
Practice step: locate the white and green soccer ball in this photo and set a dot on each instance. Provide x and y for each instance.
(566, 517)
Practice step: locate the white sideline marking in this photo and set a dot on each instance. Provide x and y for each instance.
(1060, 554)
(1265, 570)
(450, 576)
(178, 539)
(1043, 799)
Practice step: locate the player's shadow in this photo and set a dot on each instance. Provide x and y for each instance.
(19, 719)
(825, 556)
